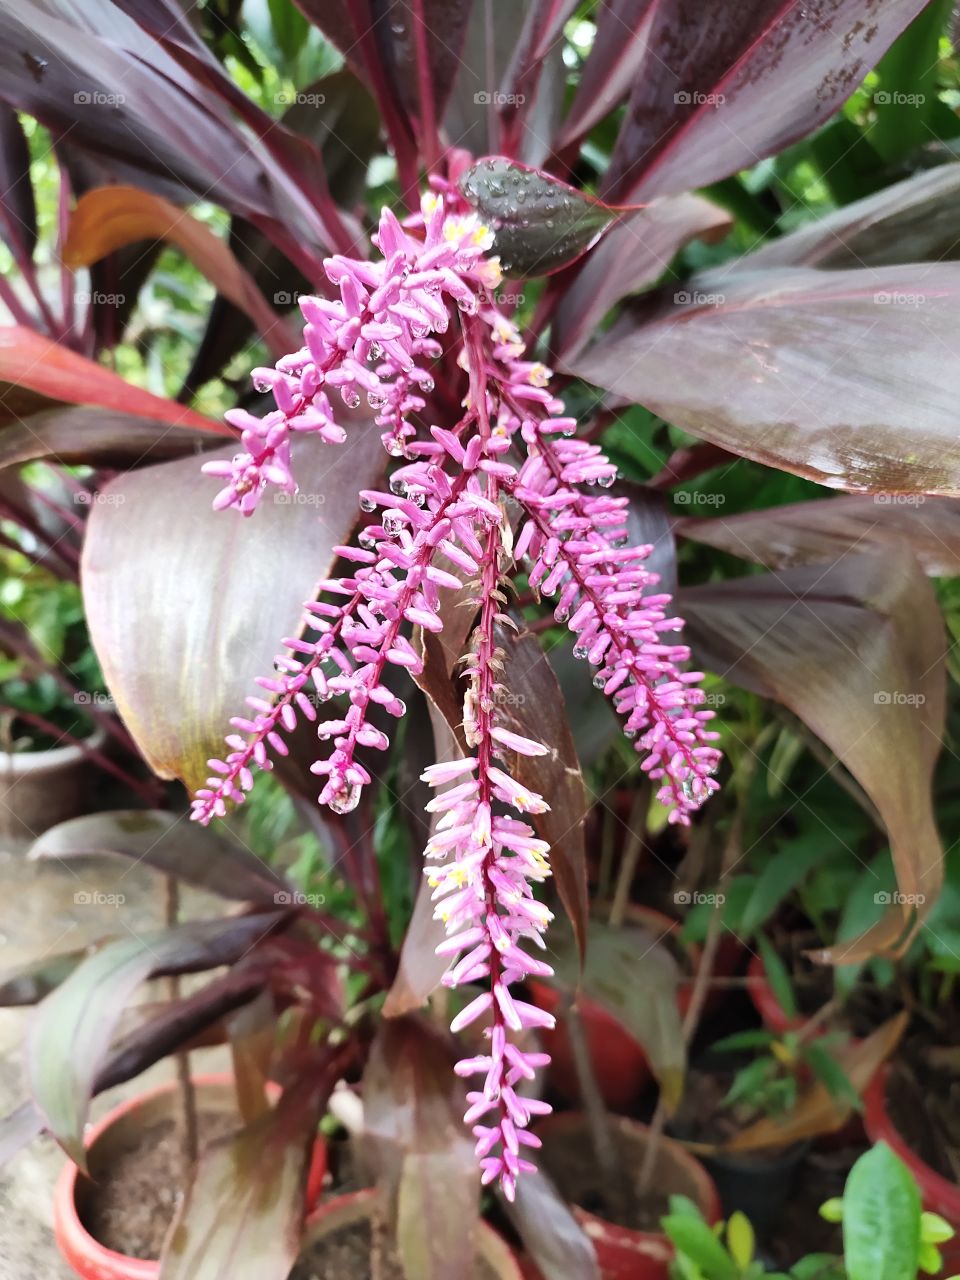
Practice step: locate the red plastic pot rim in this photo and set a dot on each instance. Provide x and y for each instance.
(87, 1256)
(939, 1194)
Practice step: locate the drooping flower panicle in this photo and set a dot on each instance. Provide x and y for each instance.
(444, 525)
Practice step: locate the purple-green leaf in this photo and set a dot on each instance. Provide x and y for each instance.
(539, 223)
(246, 1199)
(551, 1235)
(838, 376)
(200, 856)
(178, 642)
(632, 255)
(916, 220)
(856, 650)
(70, 1036)
(421, 1152)
(96, 437)
(807, 532)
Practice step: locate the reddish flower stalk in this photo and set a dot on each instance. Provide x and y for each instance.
(444, 524)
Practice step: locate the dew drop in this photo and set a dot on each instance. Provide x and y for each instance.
(580, 650)
(346, 800)
(261, 385)
(376, 399)
(599, 681)
(350, 397)
(367, 504)
(395, 447)
(426, 385)
(606, 481)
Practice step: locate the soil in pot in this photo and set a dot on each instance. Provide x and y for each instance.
(138, 1185)
(923, 1098)
(757, 1183)
(569, 1161)
(346, 1255)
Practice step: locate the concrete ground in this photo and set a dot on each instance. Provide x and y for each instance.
(43, 911)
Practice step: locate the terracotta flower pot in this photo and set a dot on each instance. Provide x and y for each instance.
(939, 1194)
(86, 1255)
(42, 788)
(358, 1206)
(620, 1065)
(622, 1252)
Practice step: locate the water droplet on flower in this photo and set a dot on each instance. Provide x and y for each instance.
(376, 351)
(561, 614)
(630, 733)
(689, 789)
(426, 385)
(607, 479)
(376, 399)
(261, 384)
(401, 707)
(580, 650)
(346, 800)
(367, 504)
(568, 431)
(350, 397)
(599, 681)
(468, 305)
(395, 447)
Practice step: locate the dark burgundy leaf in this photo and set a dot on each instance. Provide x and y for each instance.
(856, 650)
(917, 220)
(632, 255)
(837, 376)
(18, 211)
(70, 1037)
(618, 53)
(177, 685)
(540, 224)
(96, 437)
(807, 532)
(200, 856)
(719, 88)
(93, 73)
(338, 116)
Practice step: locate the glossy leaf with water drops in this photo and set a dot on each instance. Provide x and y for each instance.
(539, 223)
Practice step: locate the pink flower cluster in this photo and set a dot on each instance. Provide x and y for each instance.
(445, 524)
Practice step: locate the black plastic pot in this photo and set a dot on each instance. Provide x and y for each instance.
(758, 1186)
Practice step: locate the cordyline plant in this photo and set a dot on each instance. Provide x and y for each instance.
(448, 511)
(797, 357)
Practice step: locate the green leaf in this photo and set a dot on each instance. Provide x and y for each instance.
(694, 1239)
(740, 1239)
(789, 866)
(828, 1069)
(881, 1218)
(778, 976)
